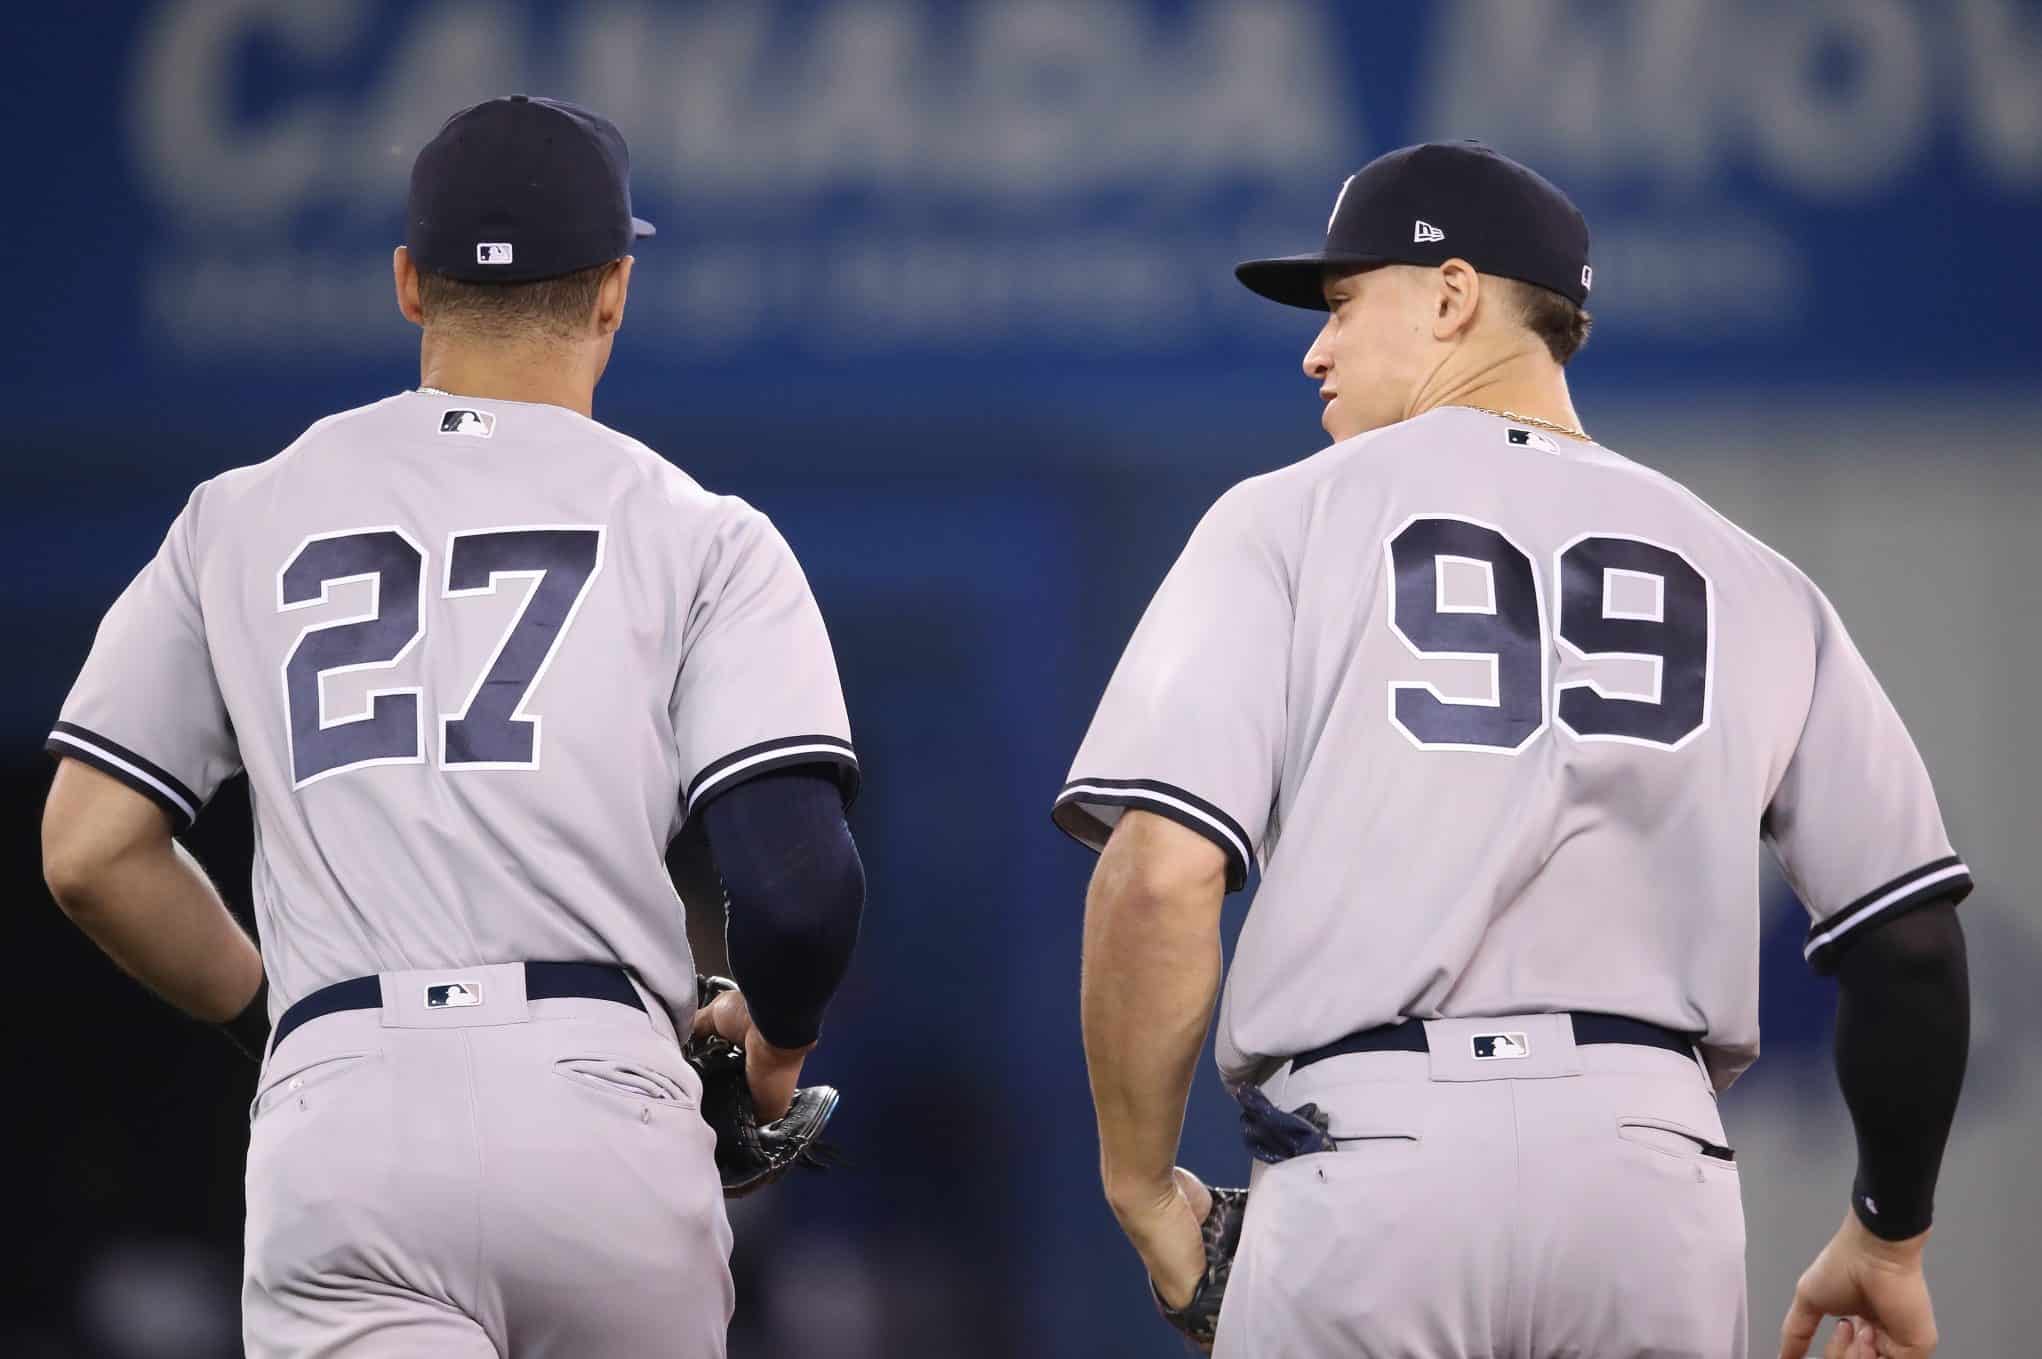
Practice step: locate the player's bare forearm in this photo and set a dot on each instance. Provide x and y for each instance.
(112, 865)
(1151, 974)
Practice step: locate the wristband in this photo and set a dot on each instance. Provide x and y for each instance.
(249, 1030)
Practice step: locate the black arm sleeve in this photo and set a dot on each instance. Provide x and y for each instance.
(794, 890)
(1903, 1027)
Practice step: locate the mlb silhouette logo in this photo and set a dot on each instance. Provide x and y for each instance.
(474, 424)
(452, 996)
(1491, 1047)
(1587, 278)
(492, 252)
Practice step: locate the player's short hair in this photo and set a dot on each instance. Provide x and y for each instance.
(556, 307)
(1556, 320)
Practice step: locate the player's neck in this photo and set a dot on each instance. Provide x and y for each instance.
(1524, 384)
(546, 375)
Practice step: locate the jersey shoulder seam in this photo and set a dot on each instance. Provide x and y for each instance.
(1767, 550)
(1298, 477)
(657, 467)
(319, 426)
(224, 478)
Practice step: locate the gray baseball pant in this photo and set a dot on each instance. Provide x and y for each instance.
(1557, 1205)
(504, 1177)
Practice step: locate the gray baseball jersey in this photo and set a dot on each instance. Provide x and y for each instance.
(1503, 717)
(478, 658)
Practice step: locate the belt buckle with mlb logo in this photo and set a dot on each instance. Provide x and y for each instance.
(1496, 1047)
(452, 996)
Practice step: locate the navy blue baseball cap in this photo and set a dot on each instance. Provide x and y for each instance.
(518, 189)
(1434, 202)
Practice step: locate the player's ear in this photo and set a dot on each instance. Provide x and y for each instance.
(405, 273)
(610, 297)
(1457, 291)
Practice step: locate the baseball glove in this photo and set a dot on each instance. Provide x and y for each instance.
(751, 1154)
(1198, 1320)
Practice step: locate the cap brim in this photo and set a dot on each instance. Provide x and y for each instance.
(1298, 280)
(641, 227)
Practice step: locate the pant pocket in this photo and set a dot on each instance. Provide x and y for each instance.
(1360, 1155)
(292, 1083)
(1675, 1139)
(1368, 1153)
(623, 1078)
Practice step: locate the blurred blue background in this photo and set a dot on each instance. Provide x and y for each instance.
(945, 288)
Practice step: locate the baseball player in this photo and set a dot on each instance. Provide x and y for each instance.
(481, 658)
(1503, 716)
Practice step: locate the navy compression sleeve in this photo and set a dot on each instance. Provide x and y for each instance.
(1903, 1026)
(794, 890)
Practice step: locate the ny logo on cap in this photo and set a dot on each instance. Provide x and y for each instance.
(1334, 215)
(452, 996)
(492, 252)
(1490, 1047)
(1422, 231)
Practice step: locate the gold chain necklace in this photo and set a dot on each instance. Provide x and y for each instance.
(1571, 431)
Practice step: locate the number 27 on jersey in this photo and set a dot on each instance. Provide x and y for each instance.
(492, 729)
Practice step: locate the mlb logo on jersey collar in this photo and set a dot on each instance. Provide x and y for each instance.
(452, 996)
(475, 424)
(1491, 1047)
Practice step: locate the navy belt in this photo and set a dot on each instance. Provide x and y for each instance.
(1409, 1036)
(543, 981)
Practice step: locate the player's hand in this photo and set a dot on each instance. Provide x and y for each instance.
(772, 1073)
(1877, 1285)
(1853, 1338)
(1163, 1221)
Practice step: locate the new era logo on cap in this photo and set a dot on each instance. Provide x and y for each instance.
(492, 252)
(1490, 1047)
(475, 424)
(1422, 231)
(452, 996)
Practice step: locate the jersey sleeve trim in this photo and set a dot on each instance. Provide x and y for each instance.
(149, 779)
(1941, 879)
(1074, 814)
(721, 775)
